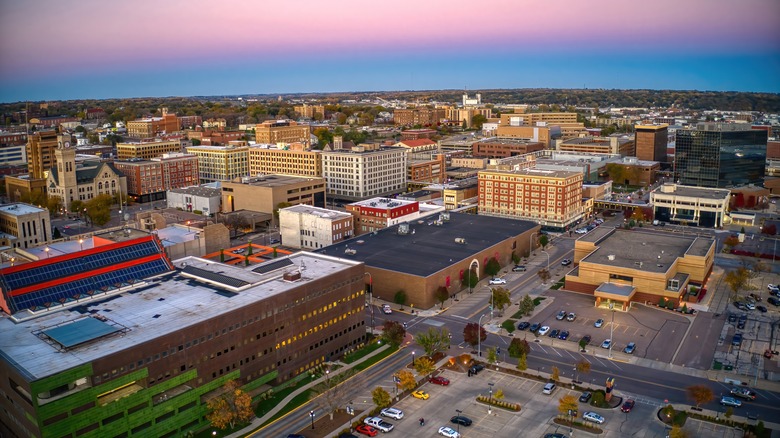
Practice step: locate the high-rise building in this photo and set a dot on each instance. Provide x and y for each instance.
(146, 149)
(364, 171)
(720, 155)
(284, 160)
(40, 153)
(650, 142)
(282, 131)
(221, 163)
(308, 227)
(418, 116)
(148, 180)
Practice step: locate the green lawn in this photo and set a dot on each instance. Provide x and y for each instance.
(356, 355)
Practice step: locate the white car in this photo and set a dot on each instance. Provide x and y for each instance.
(548, 388)
(544, 330)
(497, 281)
(606, 343)
(386, 309)
(392, 413)
(750, 305)
(594, 417)
(448, 432)
(771, 286)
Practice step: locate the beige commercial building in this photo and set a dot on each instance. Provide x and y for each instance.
(221, 163)
(147, 149)
(310, 111)
(282, 131)
(29, 225)
(550, 198)
(365, 171)
(284, 159)
(153, 126)
(268, 193)
(308, 227)
(531, 119)
(622, 145)
(689, 205)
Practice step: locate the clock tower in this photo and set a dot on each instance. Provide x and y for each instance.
(65, 156)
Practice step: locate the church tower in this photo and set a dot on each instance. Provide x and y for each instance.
(65, 156)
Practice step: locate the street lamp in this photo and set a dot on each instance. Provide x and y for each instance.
(81, 244)
(47, 249)
(479, 336)
(548, 260)
(611, 328)
(492, 304)
(311, 414)
(490, 399)
(458, 411)
(412, 358)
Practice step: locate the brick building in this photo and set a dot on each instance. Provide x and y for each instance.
(148, 180)
(651, 141)
(282, 131)
(504, 147)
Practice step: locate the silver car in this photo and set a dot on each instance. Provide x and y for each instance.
(593, 417)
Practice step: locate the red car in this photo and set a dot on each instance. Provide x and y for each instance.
(627, 406)
(439, 380)
(367, 430)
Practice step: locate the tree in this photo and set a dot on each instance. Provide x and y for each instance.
(731, 241)
(567, 403)
(424, 366)
(441, 295)
(527, 305)
(334, 392)
(472, 278)
(737, 280)
(473, 333)
(478, 120)
(233, 407)
(493, 267)
(56, 234)
(381, 397)
(555, 374)
(393, 332)
(407, 380)
(518, 347)
(700, 394)
(400, 297)
(522, 363)
(544, 275)
(434, 340)
(99, 209)
(500, 298)
(770, 229)
(544, 240)
(492, 357)
(583, 367)
(222, 256)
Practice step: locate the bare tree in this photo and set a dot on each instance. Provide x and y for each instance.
(333, 392)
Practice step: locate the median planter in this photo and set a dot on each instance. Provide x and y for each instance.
(515, 407)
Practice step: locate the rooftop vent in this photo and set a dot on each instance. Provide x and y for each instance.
(292, 276)
(611, 257)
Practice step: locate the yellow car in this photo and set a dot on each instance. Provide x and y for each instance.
(421, 395)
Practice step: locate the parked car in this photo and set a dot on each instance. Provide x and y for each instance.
(564, 335)
(627, 406)
(560, 315)
(378, 423)
(585, 396)
(606, 343)
(736, 340)
(586, 339)
(544, 330)
(599, 323)
(475, 369)
(386, 309)
(761, 308)
(422, 395)
(730, 401)
(732, 317)
(630, 348)
(554, 435)
(497, 281)
(755, 297)
(739, 305)
(571, 316)
(394, 413)
(554, 333)
(366, 430)
(523, 325)
(460, 419)
(565, 262)
(770, 287)
(750, 306)
(439, 380)
(593, 417)
(534, 327)
(773, 301)
(548, 388)
(519, 268)
(448, 432)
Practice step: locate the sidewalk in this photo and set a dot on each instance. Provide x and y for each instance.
(257, 422)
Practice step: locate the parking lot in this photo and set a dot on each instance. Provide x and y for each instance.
(656, 333)
(535, 418)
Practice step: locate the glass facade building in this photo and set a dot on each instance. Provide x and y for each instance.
(720, 155)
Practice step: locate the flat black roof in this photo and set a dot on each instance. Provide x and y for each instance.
(428, 248)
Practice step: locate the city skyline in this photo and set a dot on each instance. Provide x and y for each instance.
(94, 49)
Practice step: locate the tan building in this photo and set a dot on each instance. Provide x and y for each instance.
(689, 205)
(418, 116)
(531, 119)
(601, 190)
(221, 163)
(40, 152)
(153, 126)
(622, 145)
(307, 227)
(215, 124)
(622, 266)
(651, 141)
(29, 225)
(541, 134)
(83, 181)
(416, 134)
(284, 159)
(147, 149)
(455, 193)
(282, 131)
(504, 147)
(551, 198)
(365, 171)
(265, 194)
(310, 111)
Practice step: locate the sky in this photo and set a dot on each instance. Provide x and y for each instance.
(96, 49)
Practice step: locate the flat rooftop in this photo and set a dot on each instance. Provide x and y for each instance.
(153, 308)
(428, 248)
(540, 173)
(18, 209)
(318, 211)
(207, 192)
(645, 250)
(381, 202)
(273, 180)
(693, 192)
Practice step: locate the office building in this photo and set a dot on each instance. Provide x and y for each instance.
(265, 194)
(622, 145)
(40, 152)
(221, 163)
(504, 147)
(720, 155)
(310, 111)
(418, 116)
(203, 199)
(284, 159)
(119, 342)
(153, 126)
(28, 225)
(307, 227)
(148, 180)
(282, 131)
(364, 171)
(70, 181)
(147, 149)
(651, 141)
(378, 213)
(551, 198)
(690, 205)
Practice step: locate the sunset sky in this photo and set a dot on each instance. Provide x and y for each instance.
(68, 49)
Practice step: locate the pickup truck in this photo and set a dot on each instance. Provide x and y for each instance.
(743, 393)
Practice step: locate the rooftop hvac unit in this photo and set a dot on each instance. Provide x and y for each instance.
(611, 257)
(350, 251)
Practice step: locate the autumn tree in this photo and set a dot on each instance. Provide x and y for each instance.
(500, 298)
(731, 242)
(567, 403)
(544, 275)
(381, 397)
(498, 394)
(678, 432)
(99, 209)
(518, 347)
(424, 366)
(492, 357)
(473, 334)
(737, 280)
(522, 363)
(555, 374)
(441, 295)
(583, 367)
(393, 332)
(434, 340)
(407, 380)
(700, 394)
(233, 407)
(334, 391)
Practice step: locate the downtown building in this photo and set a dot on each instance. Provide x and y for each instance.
(147, 149)
(364, 171)
(282, 131)
(149, 180)
(221, 163)
(284, 159)
(115, 340)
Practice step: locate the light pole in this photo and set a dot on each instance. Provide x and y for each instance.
(412, 358)
(81, 244)
(491, 301)
(458, 411)
(490, 398)
(611, 328)
(47, 249)
(311, 414)
(548, 259)
(479, 336)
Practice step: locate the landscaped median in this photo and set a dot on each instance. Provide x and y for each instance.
(676, 418)
(492, 401)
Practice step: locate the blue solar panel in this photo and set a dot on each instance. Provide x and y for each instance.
(80, 331)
